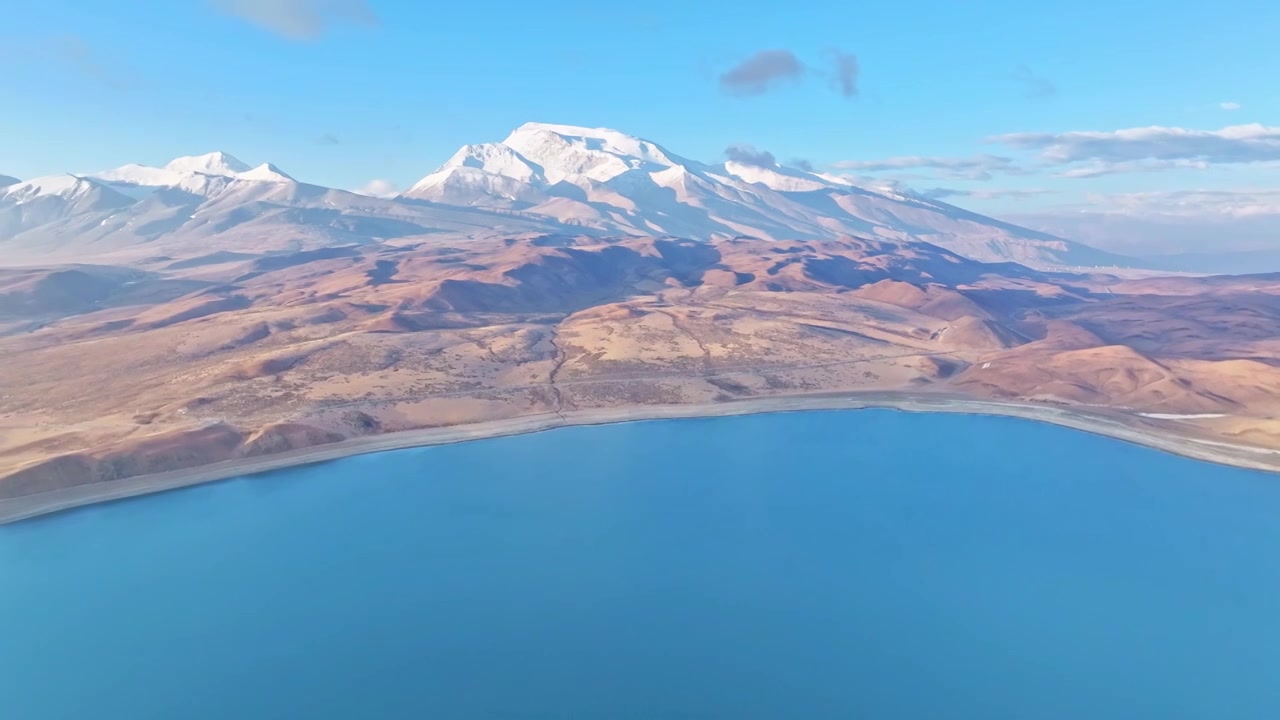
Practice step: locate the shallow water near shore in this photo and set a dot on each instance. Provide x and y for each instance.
(820, 565)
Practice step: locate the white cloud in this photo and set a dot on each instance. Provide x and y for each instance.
(1235, 144)
(1090, 154)
(378, 188)
(1234, 203)
(1229, 106)
(299, 19)
(977, 167)
(940, 193)
(1099, 168)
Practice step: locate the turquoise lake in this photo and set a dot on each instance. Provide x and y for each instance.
(868, 564)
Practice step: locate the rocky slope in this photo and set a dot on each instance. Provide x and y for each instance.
(112, 372)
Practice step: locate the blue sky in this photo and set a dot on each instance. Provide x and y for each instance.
(340, 92)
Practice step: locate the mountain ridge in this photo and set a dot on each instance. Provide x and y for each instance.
(542, 177)
(606, 180)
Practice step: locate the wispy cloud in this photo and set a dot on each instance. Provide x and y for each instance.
(844, 71)
(977, 167)
(1236, 203)
(940, 193)
(801, 164)
(74, 53)
(748, 155)
(378, 188)
(1033, 85)
(1091, 154)
(769, 70)
(762, 72)
(1095, 168)
(1230, 106)
(328, 139)
(300, 19)
(1233, 144)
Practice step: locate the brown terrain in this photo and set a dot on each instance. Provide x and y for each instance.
(111, 373)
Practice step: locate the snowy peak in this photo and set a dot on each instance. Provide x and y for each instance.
(495, 158)
(489, 174)
(146, 176)
(205, 175)
(7, 180)
(66, 187)
(55, 198)
(541, 161)
(51, 185)
(214, 163)
(782, 179)
(266, 172)
(567, 152)
(598, 140)
(611, 182)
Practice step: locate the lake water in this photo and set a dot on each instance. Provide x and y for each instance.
(867, 564)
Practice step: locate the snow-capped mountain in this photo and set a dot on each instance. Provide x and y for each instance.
(46, 200)
(207, 203)
(205, 175)
(214, 163)
(542, 178)
(606, 181)
(6, 181)
(89, 205)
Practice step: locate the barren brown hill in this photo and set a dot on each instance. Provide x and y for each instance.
(116, 372)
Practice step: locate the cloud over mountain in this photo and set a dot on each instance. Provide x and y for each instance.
(378, 188)
(748, 155)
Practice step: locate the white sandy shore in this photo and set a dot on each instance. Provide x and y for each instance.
(1108, 423)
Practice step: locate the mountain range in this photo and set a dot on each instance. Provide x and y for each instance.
(208, 313)
(543, 178)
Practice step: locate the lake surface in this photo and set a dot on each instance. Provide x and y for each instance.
(868, 564)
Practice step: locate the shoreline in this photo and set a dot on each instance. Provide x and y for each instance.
(1107, 423)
